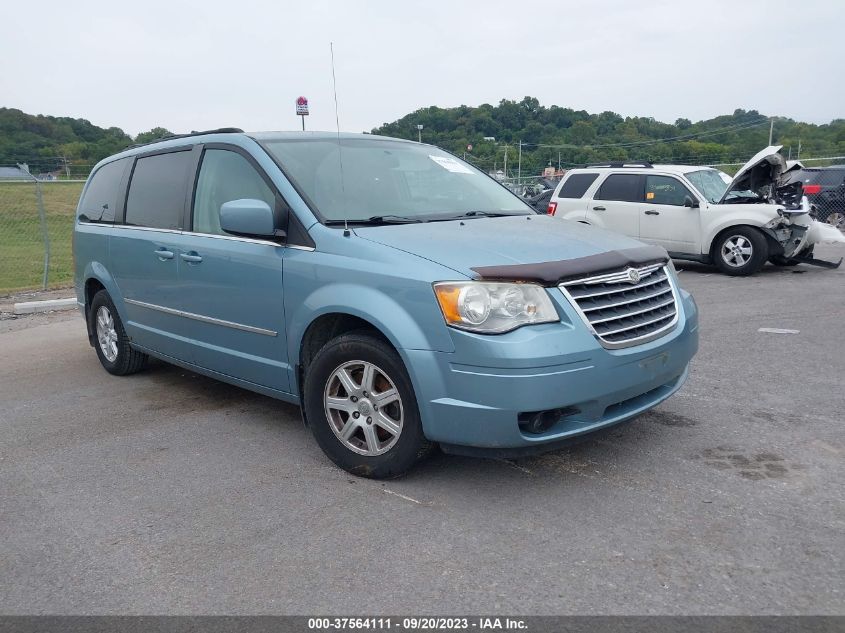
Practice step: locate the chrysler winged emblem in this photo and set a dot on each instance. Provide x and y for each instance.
(633, 275)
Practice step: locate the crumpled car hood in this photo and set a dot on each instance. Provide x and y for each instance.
(764, 171)
(464, 245)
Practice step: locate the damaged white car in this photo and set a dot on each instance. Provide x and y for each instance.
(700, 213)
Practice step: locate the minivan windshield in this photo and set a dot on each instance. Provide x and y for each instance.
(710, 183)
(389, 180)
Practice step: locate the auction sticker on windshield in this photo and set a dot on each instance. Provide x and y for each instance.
(451, 164)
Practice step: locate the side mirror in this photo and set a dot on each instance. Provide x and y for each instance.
(689, 202)
(248, 218)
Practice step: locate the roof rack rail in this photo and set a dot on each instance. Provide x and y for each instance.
(635, 164)
(220, 130)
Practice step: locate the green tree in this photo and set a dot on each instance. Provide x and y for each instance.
(154, 134)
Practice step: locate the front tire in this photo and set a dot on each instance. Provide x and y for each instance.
(740, 251)
(361, 407)
(110, 340)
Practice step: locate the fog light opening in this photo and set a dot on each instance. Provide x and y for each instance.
(536, 422)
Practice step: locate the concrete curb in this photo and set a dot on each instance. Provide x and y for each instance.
(29, 307)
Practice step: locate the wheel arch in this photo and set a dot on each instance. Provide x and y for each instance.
(331, 325)
(97, 278)
(337, 308)
(733, 227)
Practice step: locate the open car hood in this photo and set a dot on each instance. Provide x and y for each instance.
(762, 174)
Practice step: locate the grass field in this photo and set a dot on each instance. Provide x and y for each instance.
(21, 242)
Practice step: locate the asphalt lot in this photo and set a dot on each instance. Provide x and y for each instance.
(166, 492)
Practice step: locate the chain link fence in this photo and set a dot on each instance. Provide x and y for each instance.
(36, 218)
(36, 230)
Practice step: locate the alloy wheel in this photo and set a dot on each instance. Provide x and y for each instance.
(737, 251)
(106, 334)
(363, 407)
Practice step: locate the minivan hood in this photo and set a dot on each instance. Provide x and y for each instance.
(464, 245)
(764, 169)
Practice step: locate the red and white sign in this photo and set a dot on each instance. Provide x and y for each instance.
(302, 106)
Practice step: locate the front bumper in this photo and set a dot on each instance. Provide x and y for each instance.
(473, 397)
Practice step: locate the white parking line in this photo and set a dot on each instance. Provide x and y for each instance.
(406, 498)
(777, 330)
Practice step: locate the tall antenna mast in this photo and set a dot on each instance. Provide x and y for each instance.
(339, 150)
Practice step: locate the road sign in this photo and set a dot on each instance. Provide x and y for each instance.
(302, 106)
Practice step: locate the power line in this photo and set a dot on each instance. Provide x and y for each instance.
(705, 133)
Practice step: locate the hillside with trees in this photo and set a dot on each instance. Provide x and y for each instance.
(550, 136)
(60, 144)
(575, 137)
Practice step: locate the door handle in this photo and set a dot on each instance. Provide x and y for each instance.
(192, 257)
(599, 209)
(163, 254)
(652, 212)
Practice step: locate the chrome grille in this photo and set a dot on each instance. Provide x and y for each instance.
(627, 307)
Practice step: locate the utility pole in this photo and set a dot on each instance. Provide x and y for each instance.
(419, 133)
(506, 161)
(771, 130)
(519, 164)
(799, 150)
(558, 161)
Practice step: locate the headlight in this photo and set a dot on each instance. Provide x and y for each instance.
(493, 308)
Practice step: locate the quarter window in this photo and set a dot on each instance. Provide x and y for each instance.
(576, 185)
(225, 176)
(100, 200)
(665, 190)
(622, 188)
(157, 191)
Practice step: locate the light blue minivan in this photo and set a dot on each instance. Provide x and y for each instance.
(401, 296)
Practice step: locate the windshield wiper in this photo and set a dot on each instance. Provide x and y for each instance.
(377, 219)
(489, 214)
(477, 214)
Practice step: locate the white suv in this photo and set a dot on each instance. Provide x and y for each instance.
(698, 213)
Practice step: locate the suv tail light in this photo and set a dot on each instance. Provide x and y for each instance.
(552, 208)
(811, 189)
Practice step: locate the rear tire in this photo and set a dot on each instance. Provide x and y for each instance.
(740, 251)
(361, 407)
(110, 340)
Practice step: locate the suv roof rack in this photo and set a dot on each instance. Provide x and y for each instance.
(635, 164)
(220, 130)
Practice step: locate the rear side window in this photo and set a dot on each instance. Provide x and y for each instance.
(100, 200)
(576, 185)
(622, 188)
(665, 190)
(157, 191)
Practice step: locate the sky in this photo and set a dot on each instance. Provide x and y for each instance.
(193, 65)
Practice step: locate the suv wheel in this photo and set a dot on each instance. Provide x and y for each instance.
(110, 340)
(740, 251)
(361, 407)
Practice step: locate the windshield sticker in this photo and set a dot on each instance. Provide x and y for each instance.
(451, 164)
